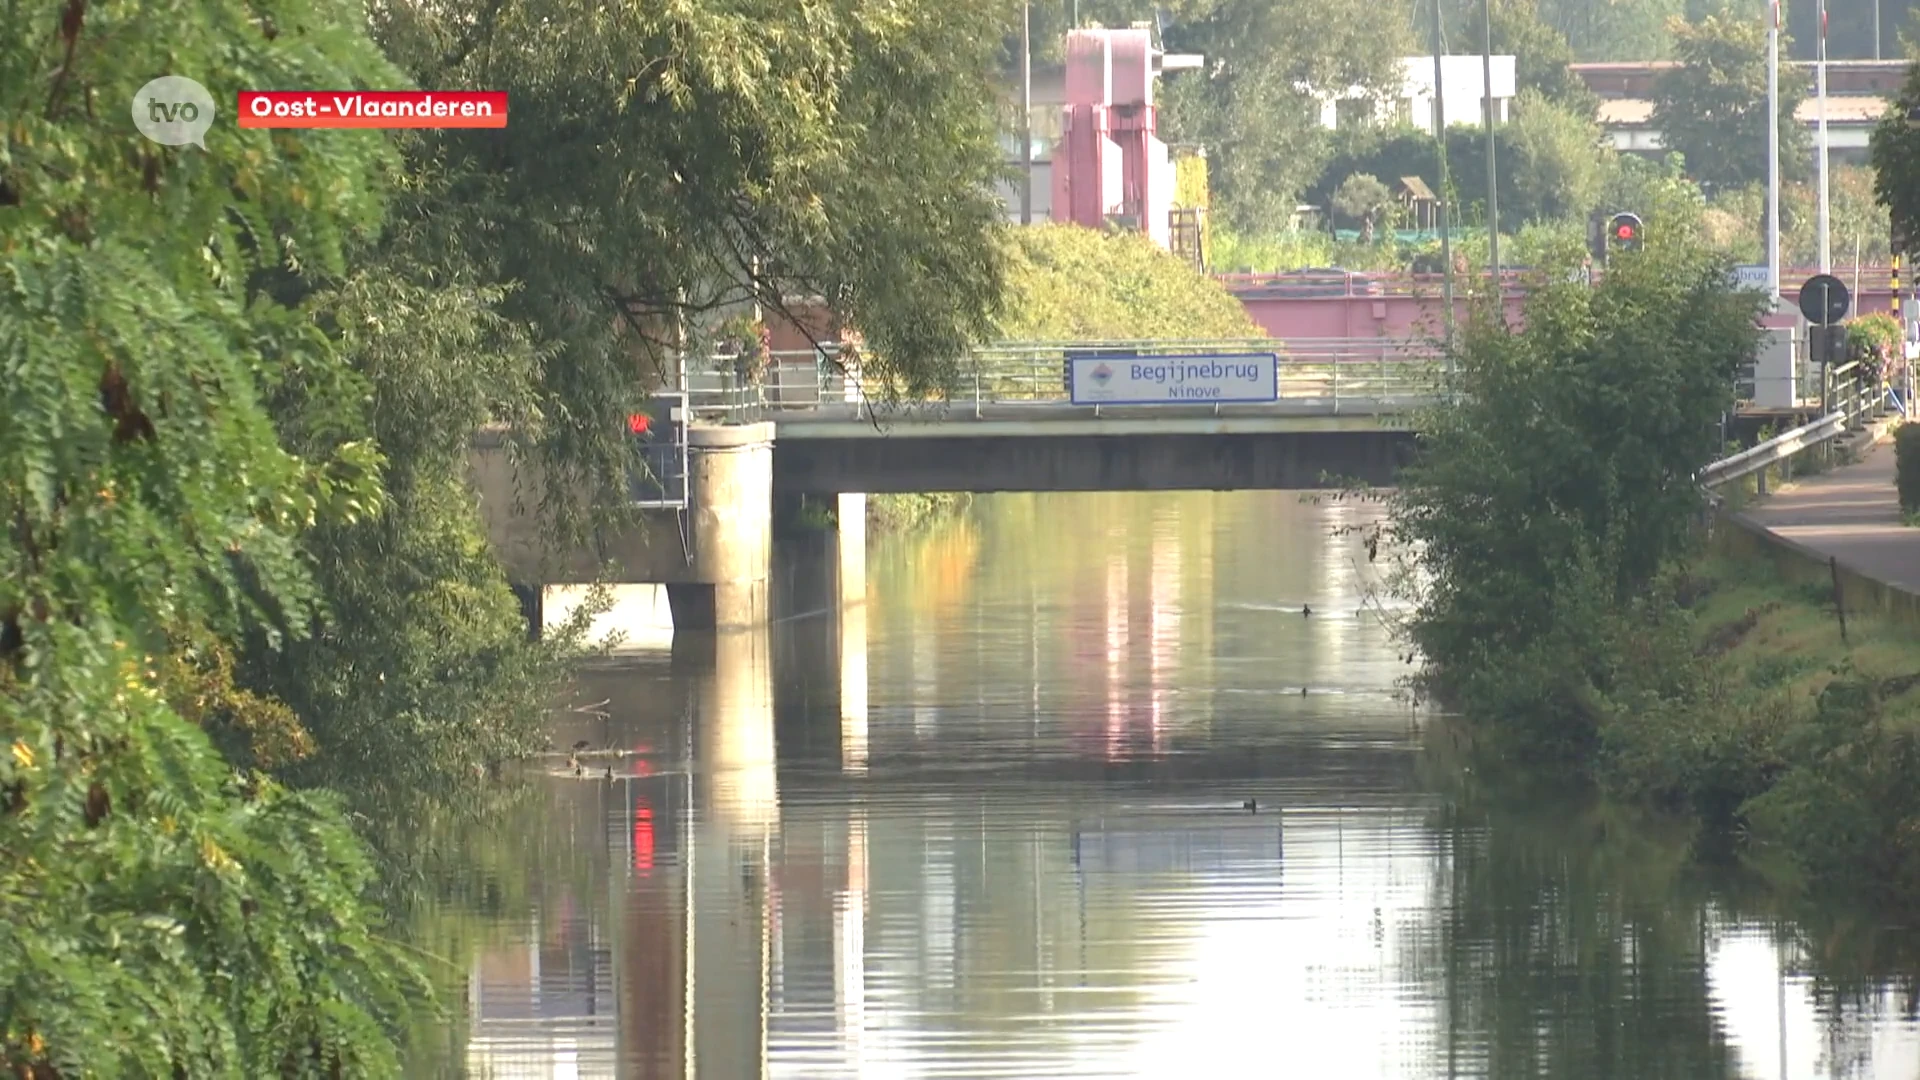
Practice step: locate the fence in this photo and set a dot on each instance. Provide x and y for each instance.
(1333, 284)
(1323, 372)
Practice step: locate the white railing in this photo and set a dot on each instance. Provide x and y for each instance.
(1326, 373)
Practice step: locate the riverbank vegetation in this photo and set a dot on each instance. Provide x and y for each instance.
(1066, 283)
(248, 617)
(1567, 608)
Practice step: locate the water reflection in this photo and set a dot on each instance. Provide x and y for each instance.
(990, 819)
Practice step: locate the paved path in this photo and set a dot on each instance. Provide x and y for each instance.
(1852, 514)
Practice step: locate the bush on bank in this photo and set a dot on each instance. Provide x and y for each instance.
(1546, 505)
(1906, 464)
(1564, 607)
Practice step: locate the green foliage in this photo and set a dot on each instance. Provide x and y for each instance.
(165, 916)
(1631, 30)
(1713, 107)
(1541, 55)
(1067, 283)
(1906, 463)
(1847, 807)
(419, 673)
(1251, 107)
(1895, 150)
(1550, 246)
(1553, 161)
(1704, 754)
(658, 152)
(1874, 340)
(1363, 198)
(1545, 505)
(1292, 250)
(1190, 187)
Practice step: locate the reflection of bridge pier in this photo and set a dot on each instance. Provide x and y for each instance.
(736, 804)
(822, 702)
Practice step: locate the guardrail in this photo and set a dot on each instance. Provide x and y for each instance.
(1846, 399)
(1325, 371)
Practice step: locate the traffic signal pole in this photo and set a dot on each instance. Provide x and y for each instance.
(1446, 231)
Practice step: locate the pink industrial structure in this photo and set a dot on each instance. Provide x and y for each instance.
(1110, 164)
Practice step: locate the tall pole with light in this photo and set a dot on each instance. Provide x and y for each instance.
(1440, 206)
(1026, 114)
(1773, 155)
(1820, 70)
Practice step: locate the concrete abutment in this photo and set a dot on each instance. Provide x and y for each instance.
(713, 558)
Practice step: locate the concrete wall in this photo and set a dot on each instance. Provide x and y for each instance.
(1415, 316)
(1356, 316)
(1274, 461)
(1859, 593)
(714, 558)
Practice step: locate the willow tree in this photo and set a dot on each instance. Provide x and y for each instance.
(666, 161)
(165, 914)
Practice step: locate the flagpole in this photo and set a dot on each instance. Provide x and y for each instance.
(1773, 155)
(1826, 251)
(1444, 214)
(1493, 180)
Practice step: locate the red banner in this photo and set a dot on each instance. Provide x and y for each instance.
(373, 108)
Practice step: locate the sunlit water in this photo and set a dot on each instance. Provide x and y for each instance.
(992, 822)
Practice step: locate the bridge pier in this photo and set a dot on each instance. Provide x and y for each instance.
(713, 557)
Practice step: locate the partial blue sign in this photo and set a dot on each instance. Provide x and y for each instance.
(1212, 379)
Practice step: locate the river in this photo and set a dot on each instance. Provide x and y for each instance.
(1082, 789)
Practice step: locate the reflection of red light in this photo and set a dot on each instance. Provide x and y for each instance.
(643, 838)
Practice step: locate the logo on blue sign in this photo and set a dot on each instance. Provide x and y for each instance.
(1102, 374)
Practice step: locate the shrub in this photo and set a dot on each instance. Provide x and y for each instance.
(1906, 465)
(1546, 504)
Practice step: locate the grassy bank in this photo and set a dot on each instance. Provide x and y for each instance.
(1798, 735)
(901, 512)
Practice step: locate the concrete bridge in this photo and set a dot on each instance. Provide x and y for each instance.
(1117, 416)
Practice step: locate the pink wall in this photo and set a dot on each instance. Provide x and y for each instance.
(1356, 316)
(1417, 316)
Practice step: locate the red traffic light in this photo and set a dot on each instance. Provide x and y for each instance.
(1623, 232)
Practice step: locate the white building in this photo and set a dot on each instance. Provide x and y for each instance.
(1464, 85)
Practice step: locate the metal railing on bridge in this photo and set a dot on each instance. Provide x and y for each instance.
(1316, 374)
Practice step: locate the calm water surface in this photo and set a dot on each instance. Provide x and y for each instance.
(991, 823)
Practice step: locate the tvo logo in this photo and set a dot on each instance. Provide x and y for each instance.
(174, 111)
